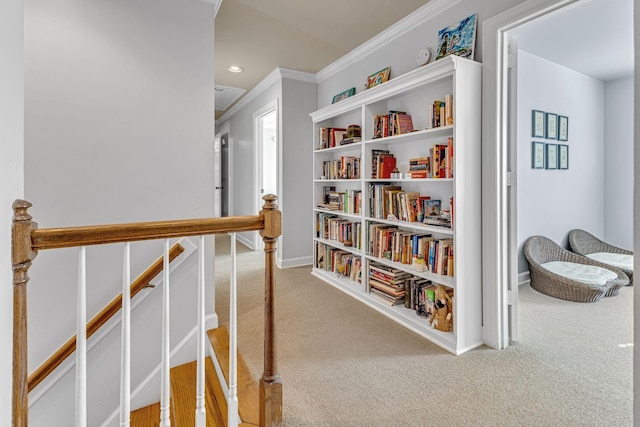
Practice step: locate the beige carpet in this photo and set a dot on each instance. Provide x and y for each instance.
(343, 364)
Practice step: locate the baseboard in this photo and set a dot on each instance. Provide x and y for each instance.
(524, 278)
(294, 262)
(245, 241)
(115, 321)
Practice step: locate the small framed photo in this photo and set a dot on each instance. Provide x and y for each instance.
(551, 126)
(552, 156)
(563, 128)
(563, 156)
(537, 155)
(377, 78)
(537, 124)
(344, 95)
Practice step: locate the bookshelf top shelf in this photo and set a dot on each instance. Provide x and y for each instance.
(438, 70)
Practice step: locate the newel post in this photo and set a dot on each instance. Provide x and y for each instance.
(21, 257)
(270, 384)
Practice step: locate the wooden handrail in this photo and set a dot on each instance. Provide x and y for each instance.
(100, 319)
(54, 238)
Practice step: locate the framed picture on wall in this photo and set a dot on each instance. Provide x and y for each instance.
(563, 128)
(552, 156)
(551, 126)
(537, 155)
(563, 156)
(537, 124)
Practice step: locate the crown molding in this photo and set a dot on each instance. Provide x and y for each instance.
(276, 75)
(401, 27)
(216, 5)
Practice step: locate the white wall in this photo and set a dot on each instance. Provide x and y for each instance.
(298, 100)
(400, 53)
(552, 202)
(11, 177)
(618, 162)
(118, 128)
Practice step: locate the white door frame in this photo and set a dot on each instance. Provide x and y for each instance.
(496, 215)
(257, 163)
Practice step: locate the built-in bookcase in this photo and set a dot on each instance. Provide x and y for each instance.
(377, 237)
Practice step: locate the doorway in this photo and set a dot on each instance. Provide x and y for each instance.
(221, 175)
(267, 161)
(500, 159)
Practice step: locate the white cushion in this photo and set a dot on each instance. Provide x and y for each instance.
(588, 274)
(623, 261)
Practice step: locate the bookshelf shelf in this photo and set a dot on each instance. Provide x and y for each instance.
(355, 217)
(445, 164)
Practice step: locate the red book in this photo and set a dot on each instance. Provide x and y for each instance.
(387, 165)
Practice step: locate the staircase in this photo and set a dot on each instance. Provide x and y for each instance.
(183, 391)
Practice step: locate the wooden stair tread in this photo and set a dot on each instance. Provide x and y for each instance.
(149, 416)
(248, 387)
(183, 396)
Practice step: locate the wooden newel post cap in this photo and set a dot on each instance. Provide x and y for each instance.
(21, 252)
(20, 210)
(272, 218)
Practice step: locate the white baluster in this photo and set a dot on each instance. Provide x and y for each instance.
(125, 341)
(232, 414)
(201, 415)
(165, 388)
(81, 341)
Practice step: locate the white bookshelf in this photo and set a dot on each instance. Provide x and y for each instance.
(414, 92)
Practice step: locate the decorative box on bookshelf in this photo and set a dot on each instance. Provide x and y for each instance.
(387, 230)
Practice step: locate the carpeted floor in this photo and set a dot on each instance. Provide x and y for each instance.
(343, 364)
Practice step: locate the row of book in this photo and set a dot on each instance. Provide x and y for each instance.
(396, 287)
(341, 262)
(438, 164)
(391, 124)
(386, 199)
(441, 113)
(346, 167)
(331, 137)
(405, 247)
(331, 227)
(347, 201)
(383, 164)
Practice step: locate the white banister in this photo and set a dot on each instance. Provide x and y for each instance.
(232, 413)
(201, 414)
(125, 341)
(165, 386)
(81, 341)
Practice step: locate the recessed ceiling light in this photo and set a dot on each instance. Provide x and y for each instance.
(235, 69)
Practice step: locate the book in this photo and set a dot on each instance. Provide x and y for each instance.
(404, 123)
(433, 208)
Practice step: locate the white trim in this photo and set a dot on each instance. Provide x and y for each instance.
(408, 23)
(66, 366)
(245, 241)
(295, 262)
(524, 278)
(495, 331)
(275, 76)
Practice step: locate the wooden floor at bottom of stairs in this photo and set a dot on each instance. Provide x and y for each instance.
(183, 391)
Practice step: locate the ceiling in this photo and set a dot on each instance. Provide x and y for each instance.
(592, 37)
(260, 35)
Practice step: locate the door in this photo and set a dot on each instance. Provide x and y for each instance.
(266, 149)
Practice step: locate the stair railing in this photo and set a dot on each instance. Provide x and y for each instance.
(100, 319)
(27, 240)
